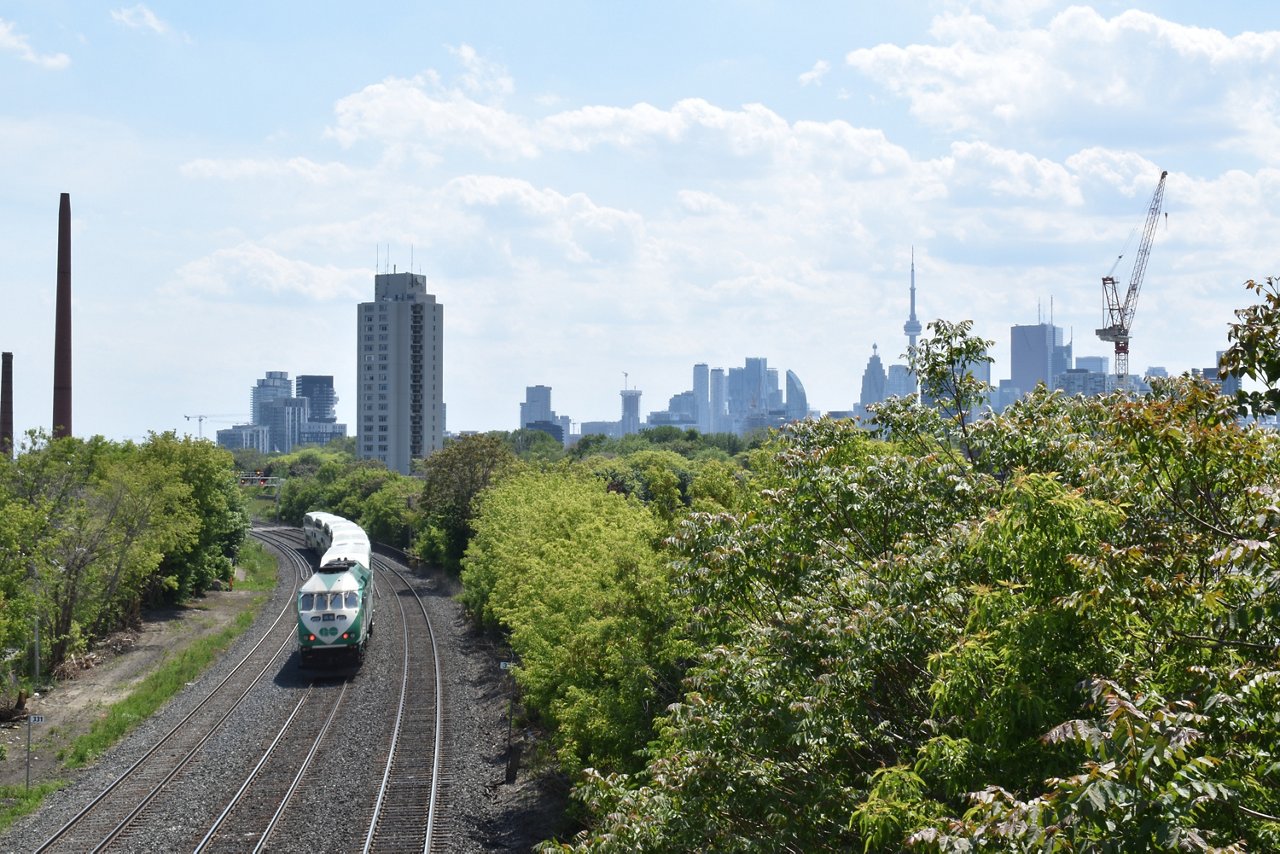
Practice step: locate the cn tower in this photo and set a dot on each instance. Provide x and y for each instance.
(912, 326)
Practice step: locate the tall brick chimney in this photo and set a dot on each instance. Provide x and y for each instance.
(6, 406)
(62, 325)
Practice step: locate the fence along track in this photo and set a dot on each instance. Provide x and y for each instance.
(404, 814)
(106, 817)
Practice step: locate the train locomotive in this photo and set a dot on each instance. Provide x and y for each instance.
(335, 605)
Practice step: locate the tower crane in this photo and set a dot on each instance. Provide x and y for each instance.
(200, 419)
(1120, 312)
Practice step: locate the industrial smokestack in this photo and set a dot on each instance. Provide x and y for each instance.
(62, 325)
(6, 406)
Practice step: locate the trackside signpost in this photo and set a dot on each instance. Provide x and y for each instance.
(31, 719)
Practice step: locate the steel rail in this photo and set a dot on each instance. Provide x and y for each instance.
(244, 787)
(93, 804)
(439, 722)
(306, 763)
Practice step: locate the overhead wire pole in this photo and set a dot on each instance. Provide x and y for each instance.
(1120, 313)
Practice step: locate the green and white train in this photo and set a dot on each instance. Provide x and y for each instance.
(335, 605)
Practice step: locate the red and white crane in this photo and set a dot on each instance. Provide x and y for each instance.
(1120, 312)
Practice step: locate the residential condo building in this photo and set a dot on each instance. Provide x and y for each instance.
(400, 411)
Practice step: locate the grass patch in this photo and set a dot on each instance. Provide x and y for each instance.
(155, 690)
(17, 801)
(260, 507)
(259, 567)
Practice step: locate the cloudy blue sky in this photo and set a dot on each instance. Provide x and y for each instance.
(598, 188)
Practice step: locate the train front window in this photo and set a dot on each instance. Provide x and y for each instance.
(353, 601)
(305, 603)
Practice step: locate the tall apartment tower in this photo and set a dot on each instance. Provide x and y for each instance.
(276, 385)
(318, 390)
(702, 397)
(630, 411)
(719, 402)
(400, 372)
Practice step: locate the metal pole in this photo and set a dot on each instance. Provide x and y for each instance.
(28, 751)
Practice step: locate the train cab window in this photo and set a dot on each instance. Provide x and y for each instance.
(352, 600)
(305, 603)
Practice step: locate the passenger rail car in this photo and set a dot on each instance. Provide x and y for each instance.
(335, 605)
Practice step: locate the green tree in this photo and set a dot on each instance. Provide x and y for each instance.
(534, 446)
(451, 479)
(218, 505)
(1255, 349)
(1050, 629)
(568, 570)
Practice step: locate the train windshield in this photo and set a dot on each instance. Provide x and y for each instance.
(304, 602)
(352, 600)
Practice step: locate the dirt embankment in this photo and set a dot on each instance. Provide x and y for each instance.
(114, 669)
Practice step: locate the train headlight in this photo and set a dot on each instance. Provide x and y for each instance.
(311, 638)
(346, 635)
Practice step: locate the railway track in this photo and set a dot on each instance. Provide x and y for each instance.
(404, 813)
(258, 806)
(359, 739)
(106, 820)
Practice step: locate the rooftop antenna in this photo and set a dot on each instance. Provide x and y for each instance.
(624, 380)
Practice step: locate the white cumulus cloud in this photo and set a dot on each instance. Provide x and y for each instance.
(12, 41)
(249, 267)
(813, 77)
(139, 17)
(1134, 75)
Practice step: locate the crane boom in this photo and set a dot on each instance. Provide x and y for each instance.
(1120, 312)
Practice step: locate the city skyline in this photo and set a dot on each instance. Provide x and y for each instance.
(585, 211)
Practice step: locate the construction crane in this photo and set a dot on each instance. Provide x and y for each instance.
(1120, 312)
(200, 419)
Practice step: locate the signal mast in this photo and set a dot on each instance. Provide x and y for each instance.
(1120, 313)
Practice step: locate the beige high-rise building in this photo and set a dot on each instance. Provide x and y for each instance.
(400, 372)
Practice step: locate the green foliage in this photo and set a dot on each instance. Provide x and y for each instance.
(1054, 629)
(567, 569)
(1144, 784)
(1255, 349)
(214, 500)
(91, 530)
(687, 443)
(259, 567)
(534, 446)
(452, 478)
(17, 801)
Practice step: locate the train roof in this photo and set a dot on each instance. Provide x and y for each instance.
(335, 581)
